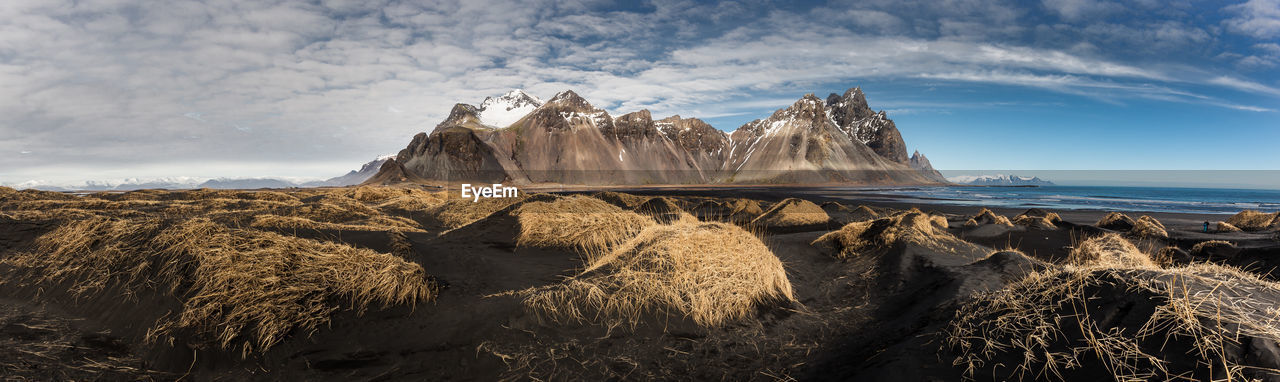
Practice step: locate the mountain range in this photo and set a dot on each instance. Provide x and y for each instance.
(520, 139)
(999, 180)
(351, 178)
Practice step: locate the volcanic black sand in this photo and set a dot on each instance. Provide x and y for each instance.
(884, 308)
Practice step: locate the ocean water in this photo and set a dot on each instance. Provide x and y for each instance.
(1152, 199)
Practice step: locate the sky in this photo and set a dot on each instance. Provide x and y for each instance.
(112, 89)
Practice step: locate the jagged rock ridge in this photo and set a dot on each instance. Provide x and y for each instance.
(920, 163)
(569, 141)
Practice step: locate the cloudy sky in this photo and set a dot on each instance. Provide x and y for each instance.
(109, 89)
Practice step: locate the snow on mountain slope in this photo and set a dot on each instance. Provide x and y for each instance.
(507, 109)
(999, 180)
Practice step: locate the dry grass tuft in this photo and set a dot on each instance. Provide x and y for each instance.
(1147, 226)
(1205, 248)
(1091, 323)
(376, 223)
(912, 226)
(454, 213)
(587, 224)
(1109, 250)
(792, 212)
(625, 201)
(1038, 218)
(1034, 222)
(1226, 227)
(1116, 221)
(743, 211)
(985, 217)
(240, 289)
(662, 209)
(711, 273)
(1249, 220)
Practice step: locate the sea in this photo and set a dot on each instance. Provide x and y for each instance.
(1151, 199)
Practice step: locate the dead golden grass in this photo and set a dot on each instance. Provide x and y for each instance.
(1116, 221)
(1250, 220)
(240, 289)
(913, 227)
(10, 195)
(1038, 218)
(1039, 222)
(1147, 226)
(1109, 250)
(711, 273)
(1226, 227)
(625, 201)
(1056, 324)
(985, 217)
(1205, 247)
(792, 212)
(743, 211)
(376, 223)
(587, 224)
(454, 213)
(662, 209)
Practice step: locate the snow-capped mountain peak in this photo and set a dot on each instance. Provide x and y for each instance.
(507, 109)
(999, 180)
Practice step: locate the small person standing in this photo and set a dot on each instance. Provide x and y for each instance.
(1206, 226)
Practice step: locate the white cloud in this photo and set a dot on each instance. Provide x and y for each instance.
(107, 83)
(1257, 18)
(1077, 9)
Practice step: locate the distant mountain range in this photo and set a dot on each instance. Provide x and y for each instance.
(999, 180)
(353, 177)
(518, 138)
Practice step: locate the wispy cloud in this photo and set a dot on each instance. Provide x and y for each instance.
(100, 81)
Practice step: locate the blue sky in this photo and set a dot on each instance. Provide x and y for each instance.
(110, 89)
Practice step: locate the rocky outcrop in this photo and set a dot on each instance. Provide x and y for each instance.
(852, 115)
(567, 140)
(920, 163)
(802, 144)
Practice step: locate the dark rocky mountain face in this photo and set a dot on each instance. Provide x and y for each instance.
(567, 140)
(630, 126)
(852, 114)
(921, 164)
(693, 135)
(802, 144)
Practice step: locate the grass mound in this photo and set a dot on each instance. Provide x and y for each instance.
(1038, 222)
(454, 213)
(1200, 322)
(1116, 221)
(1038, 218)
(240, 289)
(1226, 227)
(711, 273)
(1250, 220)
(1210, 247)
(581, 222)
(985, 217)
(662, 209)
(375, 223)
(625, 201)
(792, 212)
(1109, 250)
(711, 210)
(912, 227)
(1148, 227)
(743, 211)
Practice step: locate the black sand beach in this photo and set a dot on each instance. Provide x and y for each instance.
(887, 309)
